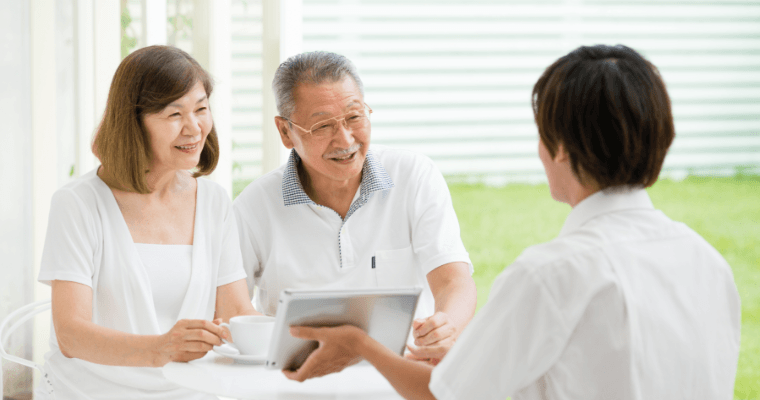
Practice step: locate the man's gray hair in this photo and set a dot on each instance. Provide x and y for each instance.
(311, 68)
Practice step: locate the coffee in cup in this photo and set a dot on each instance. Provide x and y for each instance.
(251, 334)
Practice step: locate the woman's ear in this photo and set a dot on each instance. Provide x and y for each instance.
(561, 155)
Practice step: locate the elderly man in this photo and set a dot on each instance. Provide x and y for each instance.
(344, 214)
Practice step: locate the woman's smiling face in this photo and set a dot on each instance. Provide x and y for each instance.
(178, 132)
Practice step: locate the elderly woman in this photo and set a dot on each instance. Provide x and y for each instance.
(624, 303)
(140, 253)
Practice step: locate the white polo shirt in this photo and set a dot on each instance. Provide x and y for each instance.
(400, 226)
(623, 304)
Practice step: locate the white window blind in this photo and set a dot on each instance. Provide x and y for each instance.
(452, 79)
(246, 89)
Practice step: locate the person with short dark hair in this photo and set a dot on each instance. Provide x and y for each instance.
(625, 303)
(609, 109)
(141, 255)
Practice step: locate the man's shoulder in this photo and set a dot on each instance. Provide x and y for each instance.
(402, 162)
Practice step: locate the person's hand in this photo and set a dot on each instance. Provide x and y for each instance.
(337, 350)
(226, 335)
(189, 339)
(433, 337)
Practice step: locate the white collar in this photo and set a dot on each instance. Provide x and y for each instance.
(604, 202)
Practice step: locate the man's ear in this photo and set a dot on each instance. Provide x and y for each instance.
(283, 127)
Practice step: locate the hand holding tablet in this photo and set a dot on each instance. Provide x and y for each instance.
(337, 350)
(385, 314)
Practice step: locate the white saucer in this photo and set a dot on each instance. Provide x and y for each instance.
(233, 353)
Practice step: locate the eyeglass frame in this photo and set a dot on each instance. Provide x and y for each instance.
(340, 119)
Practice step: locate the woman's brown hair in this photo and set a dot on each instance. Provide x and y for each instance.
(145, 83)
(609, 109)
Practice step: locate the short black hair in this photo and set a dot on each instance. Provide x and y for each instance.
(608, 107)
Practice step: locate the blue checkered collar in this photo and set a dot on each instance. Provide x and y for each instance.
(374, 179)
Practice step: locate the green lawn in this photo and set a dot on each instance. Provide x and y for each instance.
(498, 223)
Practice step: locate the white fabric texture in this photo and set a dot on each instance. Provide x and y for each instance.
(404, 218)
(623, 304)
(168, 267)
(89, 242)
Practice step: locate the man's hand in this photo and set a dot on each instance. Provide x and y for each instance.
(337, 350)
(433, 337)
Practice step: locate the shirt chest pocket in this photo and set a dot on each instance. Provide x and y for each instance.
(395, 268)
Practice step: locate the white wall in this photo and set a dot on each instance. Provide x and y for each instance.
(46, 45)
(15, 181)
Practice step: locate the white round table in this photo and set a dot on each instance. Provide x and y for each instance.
(222, 376)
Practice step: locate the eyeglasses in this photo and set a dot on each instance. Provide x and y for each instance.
(354, 120)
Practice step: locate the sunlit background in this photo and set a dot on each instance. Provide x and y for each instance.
(450, 79)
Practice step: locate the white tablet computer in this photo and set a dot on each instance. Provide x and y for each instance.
(385, 314)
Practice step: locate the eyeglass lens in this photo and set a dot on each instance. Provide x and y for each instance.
(356, 119)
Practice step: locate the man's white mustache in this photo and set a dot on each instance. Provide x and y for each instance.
(340, 153)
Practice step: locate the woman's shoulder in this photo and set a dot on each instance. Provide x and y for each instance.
(86, 189)
(214, 196)
(212, 188)
(81, 202)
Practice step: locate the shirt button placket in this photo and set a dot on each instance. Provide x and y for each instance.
(347, 252)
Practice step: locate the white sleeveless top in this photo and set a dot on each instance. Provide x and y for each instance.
(168, 267)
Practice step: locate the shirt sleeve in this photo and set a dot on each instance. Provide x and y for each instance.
(231, 263)
(435, 229)
(247, 241)
(71, 241)
(512, 341)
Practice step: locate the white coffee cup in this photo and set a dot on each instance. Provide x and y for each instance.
(251, 334)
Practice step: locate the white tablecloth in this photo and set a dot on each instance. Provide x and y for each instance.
(222, 376)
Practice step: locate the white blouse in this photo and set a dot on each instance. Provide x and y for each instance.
(88, 242)
(625, 304)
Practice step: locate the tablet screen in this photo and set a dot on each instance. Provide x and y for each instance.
(385, 314)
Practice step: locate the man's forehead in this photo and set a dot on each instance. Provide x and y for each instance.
(351, 104)
(327, 98)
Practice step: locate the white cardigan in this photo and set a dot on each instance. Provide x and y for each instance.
(89, 242)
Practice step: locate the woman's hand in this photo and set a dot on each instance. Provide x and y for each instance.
(344, 345)
(189, 339)
(337, 350)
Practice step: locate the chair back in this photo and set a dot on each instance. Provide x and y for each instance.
(9, 325)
